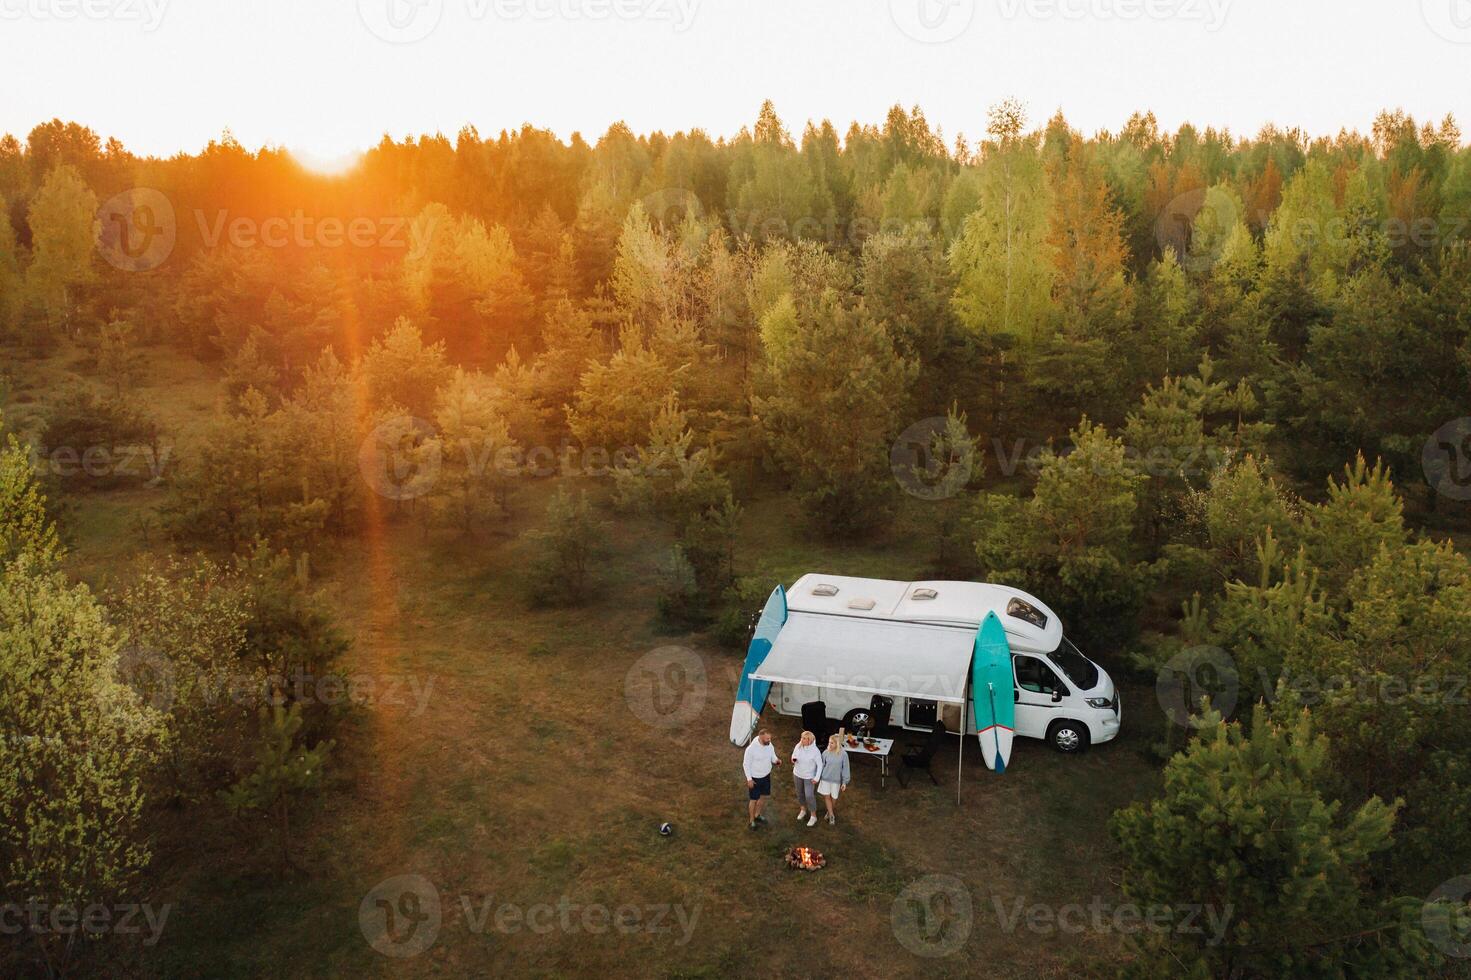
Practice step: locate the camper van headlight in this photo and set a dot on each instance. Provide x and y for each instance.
(1100, 703)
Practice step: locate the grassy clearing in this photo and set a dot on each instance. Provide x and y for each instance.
(524, 777)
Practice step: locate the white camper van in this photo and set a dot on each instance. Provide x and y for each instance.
(848, 639)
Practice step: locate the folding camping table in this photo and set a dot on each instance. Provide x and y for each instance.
(881, 752)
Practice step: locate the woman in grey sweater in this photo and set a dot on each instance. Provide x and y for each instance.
(834, 775)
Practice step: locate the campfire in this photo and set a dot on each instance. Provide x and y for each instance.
(805, 859)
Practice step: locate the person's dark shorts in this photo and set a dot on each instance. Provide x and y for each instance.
(762, 787)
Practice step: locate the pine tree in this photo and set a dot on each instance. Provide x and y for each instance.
(831, 402)
(1245, 828)
(285, 771)
(564, 549)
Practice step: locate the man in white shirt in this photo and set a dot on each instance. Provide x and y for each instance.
(760, 757)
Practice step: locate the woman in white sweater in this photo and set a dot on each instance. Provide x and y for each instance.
(806, 767)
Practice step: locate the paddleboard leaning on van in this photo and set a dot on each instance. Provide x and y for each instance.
(986, 659)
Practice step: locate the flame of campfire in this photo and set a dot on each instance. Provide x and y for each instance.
(805, 858)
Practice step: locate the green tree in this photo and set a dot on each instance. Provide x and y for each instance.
(1245, 827)
(571, 344)
(10, 277)
(563, 551)
(401, 371)
(1003, 276)
(181, 626)
(320, 427)
(1071, 541)
(475, 449)
(617, 401)
(79, 745)
(26, 529)
(285, 770)
(120, 362)
(832, 401)
(64, 232)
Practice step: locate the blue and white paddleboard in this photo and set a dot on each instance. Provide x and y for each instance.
(751, 694)
(993, 698)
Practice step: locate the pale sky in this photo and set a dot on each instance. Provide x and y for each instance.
(318, 76)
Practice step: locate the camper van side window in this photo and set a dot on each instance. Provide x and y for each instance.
(1035, 676)
(1027, 613)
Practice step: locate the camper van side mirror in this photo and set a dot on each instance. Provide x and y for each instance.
(1056, 697)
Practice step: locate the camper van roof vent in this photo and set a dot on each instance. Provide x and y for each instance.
(860, 604)
(1027, 613)
(924, 594)
(824, 590)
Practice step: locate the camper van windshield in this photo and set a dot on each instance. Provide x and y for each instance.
(1079, 669)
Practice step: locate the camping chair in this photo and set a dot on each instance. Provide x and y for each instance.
(920, 756)
(879, 711)
(815, 720)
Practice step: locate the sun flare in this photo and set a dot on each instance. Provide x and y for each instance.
(326, 163)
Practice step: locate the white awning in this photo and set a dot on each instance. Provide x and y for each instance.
(905, 660)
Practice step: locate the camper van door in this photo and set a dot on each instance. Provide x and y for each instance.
(1036, 683)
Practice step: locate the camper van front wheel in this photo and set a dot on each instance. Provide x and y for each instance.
(1067, 736)
(858, 720)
